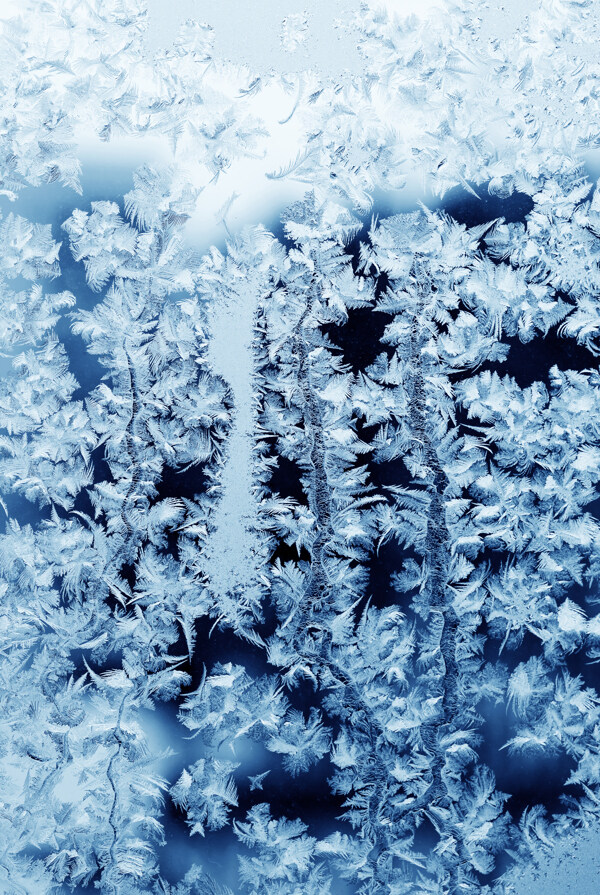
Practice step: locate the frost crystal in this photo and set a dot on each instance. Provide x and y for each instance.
(294, 30)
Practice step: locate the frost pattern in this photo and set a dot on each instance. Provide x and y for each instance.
(106, 596)
(337, 573)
